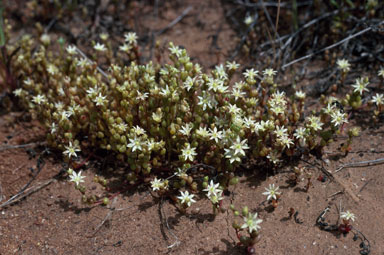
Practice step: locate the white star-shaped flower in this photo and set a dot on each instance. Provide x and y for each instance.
(300, 133)
(237, 93)
(239, 146)
(212, 188)
(252, 223)
(76, 178)
(158, 184)
(141, 96)
(378, 99)
(139, 130)
(347, 216)
(300, 94)
(175, 50)
(186, 129)
(18, 92)
(215, 134)
(188, 153)
(100, 47)
(248, 20)
(71, 150)
(361, 85)
(186, 198)
(231, 155)
(39, 99)
(71, 50)
(189, 83)
(135, 144)
(205, 101)
(131, 38)
(165, 91)
(271, 192)
(125, 47)
(315, 123)
(202, 132)
(100, 100)
(343, 65)
(269, 72)
(338, 118)
(250, 74)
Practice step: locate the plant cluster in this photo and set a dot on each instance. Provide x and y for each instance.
(170, 116)
(187, 129)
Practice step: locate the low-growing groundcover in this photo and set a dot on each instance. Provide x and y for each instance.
(187, 135)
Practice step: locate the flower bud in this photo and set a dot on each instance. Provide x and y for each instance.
(245, 211)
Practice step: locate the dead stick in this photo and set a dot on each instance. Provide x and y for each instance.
(175, 21)
(361, 164)
(365, 185)
(165, 219)
(107, 217)
(9, 147)
(270, 20)
(330, 46)
(1, 193)
(336, 193)
(336, 179)
(91, 62)
(346, 189)
(26, 193)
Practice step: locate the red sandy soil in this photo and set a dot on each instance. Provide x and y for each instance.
(53, 220)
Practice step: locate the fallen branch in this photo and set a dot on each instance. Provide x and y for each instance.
(26, 193)
(91, 62)
(26, 190)
(175, 21)
(163, 219)
(271, 4)
(365, 185)
(1, 193)
(10, 147)
(331, 46)
(336, 179)
(336, 193)
(106, 218)
(361, 164)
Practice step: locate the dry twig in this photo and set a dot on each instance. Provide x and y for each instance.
(175, 21)
(336, 179)
(331, 46)
(361, 164)
(163, 219)
(9, 147)
(336, 193)
(26, 193)
(91, 62)
(106, 218)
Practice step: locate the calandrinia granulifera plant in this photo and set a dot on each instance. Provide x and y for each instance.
(164, 118)
(215, 195)
(272, 194)
(247, 229)
(347, 217)
(151, 115)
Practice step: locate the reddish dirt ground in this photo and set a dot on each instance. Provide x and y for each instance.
(53, 220)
